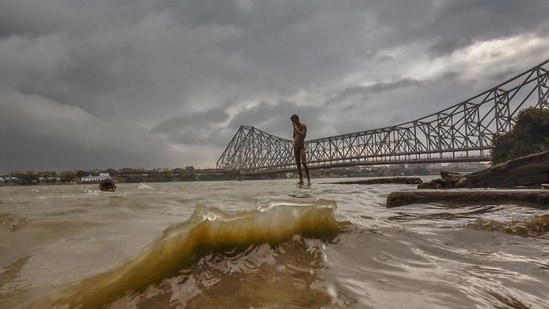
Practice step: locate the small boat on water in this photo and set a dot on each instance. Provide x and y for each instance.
(107, 185)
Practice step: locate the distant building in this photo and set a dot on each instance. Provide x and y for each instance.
(8, 179)
(53, 179)
(90, 178)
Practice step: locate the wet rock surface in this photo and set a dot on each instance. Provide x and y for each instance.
(396, 180)
(530, 171)
(467, 197)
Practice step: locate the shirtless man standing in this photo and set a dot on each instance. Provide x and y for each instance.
(300, 131)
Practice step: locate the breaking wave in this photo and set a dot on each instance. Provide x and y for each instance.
(254, 239)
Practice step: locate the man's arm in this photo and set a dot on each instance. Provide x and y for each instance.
(301, 129)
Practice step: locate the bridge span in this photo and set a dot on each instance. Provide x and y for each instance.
(460, 133)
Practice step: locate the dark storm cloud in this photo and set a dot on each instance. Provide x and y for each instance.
(166, 82)
(460, 23)
(42, 134)
(448, 45)
(191, 119)
(194, 128)
(275, 118)
(362, 93)
(378, 106)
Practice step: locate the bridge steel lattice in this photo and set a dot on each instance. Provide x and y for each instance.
(460, 133)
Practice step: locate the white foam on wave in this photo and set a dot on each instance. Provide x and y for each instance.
(144, 186)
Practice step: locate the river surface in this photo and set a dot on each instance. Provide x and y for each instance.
(264, 244)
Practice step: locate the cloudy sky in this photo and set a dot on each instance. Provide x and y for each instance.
(167, 83)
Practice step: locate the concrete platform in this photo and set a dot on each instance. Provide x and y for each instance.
(467, 197)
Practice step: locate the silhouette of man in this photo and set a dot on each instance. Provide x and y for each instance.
(300, 131)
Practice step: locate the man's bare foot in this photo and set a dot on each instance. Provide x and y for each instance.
(308, 183)
(300, 183)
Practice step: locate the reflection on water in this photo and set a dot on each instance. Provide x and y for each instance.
(264, 244)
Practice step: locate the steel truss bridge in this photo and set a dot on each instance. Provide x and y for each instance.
(460, 133)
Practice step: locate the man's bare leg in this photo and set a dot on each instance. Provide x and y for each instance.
(307, 173)
(303, 157)
(298, 164)
(300, 175)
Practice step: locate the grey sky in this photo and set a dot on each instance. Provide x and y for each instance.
(165, 83)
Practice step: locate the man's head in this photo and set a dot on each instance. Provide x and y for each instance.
(294, 118)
